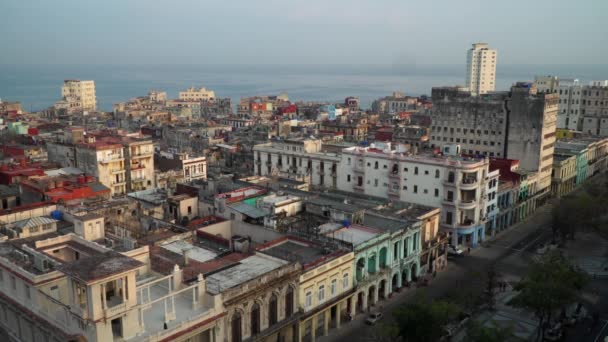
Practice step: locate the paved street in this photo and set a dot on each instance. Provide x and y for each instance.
(511, 251)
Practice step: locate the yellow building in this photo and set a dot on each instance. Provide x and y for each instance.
(192, 94)
(563, 177)
(325, 287)
(78, 95)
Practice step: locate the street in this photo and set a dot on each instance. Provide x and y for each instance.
(511, 252)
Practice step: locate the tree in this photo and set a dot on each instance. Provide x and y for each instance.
(476, 332)
(491, 284)
(551, 283)
(423, 320)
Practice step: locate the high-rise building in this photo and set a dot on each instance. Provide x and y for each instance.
(481, 69)
(594, 109)
(78, 95)
(519, 125)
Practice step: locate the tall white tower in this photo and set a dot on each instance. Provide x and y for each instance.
(481, 69)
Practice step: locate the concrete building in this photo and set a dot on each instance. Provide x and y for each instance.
(520, 124)
(77, 95)
(298, 158)
(569, 114)
(594, 109)
(563, 179)
(481, 69)
(123, 163)
(201, 94)
(459, 185)
(546, 84)
(191, 168)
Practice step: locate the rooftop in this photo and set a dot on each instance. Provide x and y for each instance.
(355, 234)
(193, 252)
(99, 266)
(295, 249)
(247, 269)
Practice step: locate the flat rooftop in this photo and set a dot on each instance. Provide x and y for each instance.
(383, 223)
(247, 269)
(99, 266)
(355, 234)
(193, 252)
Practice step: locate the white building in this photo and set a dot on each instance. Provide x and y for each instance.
(78, 95)
(192, 94)
(459, 186)
(300, 159)
(481, 69)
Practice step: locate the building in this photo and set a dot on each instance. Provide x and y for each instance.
(77, 95)
(591, 157)
(456, 184)
(594, 109)
(520, 125)
(325, 285)
(191, 167)
(396, 103)
(481, 69)
(563, 179)
(123, 163)
(297, 158)
(201, 94)
(547, 84)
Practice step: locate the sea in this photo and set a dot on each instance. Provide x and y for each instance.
(39, 86)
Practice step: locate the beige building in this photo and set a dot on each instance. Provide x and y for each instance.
(481, 69)
(564, 175)
(193, 94)
(123, 163)
(78, 95)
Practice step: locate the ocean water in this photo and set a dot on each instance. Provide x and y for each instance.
(39, 86)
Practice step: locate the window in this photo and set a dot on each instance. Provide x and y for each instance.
(273, 310)
(375, 165)
(189, 210)
(415, 189)
(376, 182)
(13, 283)
(436, 192)
(334, 287)
(28, 295)
(308, 302)
(416, 170)
(344, 281)
(321, 293)
(436, 173)
(289, 302)
(448, 217)
(348, 178)
(426, 172)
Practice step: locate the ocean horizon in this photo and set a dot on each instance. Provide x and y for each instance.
(39, 86)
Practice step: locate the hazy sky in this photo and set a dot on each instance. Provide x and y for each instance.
(301, 32)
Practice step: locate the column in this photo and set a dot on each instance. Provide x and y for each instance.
(399, 281)
(339, 314)
(353, 305)
(313, 328)
(326, 322)
(103, 296)
(123, 290)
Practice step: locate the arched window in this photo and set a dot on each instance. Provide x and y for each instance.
(255, 319)
(273, 308)
(321, 293)
(436, 173)
(451, 177)
(289, 302)
(237, 335)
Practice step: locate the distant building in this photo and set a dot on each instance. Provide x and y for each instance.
(77, 95)
(594, 109)
(192, 94)
(481, 69)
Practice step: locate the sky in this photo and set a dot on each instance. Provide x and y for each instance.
(294, 32)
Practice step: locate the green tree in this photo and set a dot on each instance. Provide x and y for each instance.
(423, 320)
(551, 283)
(477, 332)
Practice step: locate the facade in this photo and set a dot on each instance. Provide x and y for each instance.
(547, 84)
(78, 95)
(564, 175)
(517, 125)
(569, 114)
(190, 167)
(192, 94)
(454, 183)
(594, 109)
(325, 286)
(481, 69)
(299, 159)
(120, 162)
(590, 158)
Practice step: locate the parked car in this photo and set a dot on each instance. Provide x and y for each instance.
(373, 318)
(455, 250)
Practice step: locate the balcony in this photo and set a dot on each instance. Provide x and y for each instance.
(111, 158)
(141, 155)
(138, 179)
(119, 182)
(115, 310)
(359, 188)
(468, 183)
(117, 171)
(448, 201)
(466, 223)
(449, 182)
(467, 204)
(394, 175)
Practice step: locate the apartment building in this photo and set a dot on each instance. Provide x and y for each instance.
(201, 94)
(396, 103)
(594, 109)
(77, 95)
(123, 163)
(191, 167)
(519, 124)
(481, 69)
(456, 184)
(297, 158)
